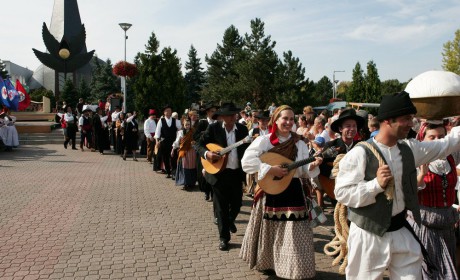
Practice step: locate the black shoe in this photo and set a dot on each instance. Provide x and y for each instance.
(73, 148)
(173, 178)
(215, 221)
(233, 227)
(206, 196)
(65, 145)
(223, 245)
(168, 176)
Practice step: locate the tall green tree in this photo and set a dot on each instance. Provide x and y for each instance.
(194, 77)
(104, 82)
(323, 91)
(357, 90)
(257, 71)
(390, 87)
(159, 81)
(373, 84)
(3, 73)
(69, 94)
(290, 84)
(451, 54)
(222, 74)
(83, 90)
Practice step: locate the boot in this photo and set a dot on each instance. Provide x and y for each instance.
(81, 147)
(134, 156)
(124, 155)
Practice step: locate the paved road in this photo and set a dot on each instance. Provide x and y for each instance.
(68, 214)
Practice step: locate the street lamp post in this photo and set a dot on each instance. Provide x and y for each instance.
(125, 26)
(334, 86)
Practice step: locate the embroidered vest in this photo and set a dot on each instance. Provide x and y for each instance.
(376, 218)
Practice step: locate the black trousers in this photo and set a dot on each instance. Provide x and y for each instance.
(227, 199)
(165, 154)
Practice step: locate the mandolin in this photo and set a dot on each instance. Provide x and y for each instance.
(214, 167)
(276, 185)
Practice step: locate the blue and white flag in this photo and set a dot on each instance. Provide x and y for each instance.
(13, 95)
(4, 94)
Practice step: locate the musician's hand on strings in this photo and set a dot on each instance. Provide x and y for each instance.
(278, 171)
(212, 156)
(384, 176)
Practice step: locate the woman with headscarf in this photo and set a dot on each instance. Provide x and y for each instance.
(278, 236)
(436, 182)
(186, 164)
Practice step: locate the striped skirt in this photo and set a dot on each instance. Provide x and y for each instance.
(437, 234)
(283, 246)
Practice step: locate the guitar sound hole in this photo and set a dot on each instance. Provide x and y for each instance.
(277, 178)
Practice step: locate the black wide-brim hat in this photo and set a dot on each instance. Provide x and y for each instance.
(347, 114)
(396, 105)
(210, 105)
(227, 109)
(265, 115)
(166, 107)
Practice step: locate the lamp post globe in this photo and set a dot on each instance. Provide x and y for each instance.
(125, 26)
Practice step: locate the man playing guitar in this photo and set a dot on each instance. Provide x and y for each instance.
(226, 184)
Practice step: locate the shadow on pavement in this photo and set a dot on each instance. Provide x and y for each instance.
(29, 153)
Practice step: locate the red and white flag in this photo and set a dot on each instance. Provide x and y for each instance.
(24, 98)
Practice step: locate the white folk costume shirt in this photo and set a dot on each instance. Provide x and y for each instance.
(251, 162)
(81, 119)
(103, 119)
(353, 191)
(232, 160)
(68, 117)
(115, 116)
(169, 123)
(211, 121)
(149, 127)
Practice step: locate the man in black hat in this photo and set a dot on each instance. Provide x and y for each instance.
(165, 135)
(378, 196)
(227, 184)
(203, 124)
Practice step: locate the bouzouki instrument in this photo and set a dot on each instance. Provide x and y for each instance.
(276, 185)
(214, 167)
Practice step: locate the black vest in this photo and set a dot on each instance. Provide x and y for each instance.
(168, 132)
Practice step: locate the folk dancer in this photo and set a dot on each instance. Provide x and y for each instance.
(379, 236)
(149, 131)
(86, 128)
(186, 163)
(203, 124)
(165, 134)
(279, 237)
(227, 184)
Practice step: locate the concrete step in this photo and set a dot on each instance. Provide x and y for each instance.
(54, 137)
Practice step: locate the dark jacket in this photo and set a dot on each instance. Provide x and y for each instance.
(326, 166)
(216, 134)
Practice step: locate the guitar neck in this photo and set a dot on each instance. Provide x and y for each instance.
(231, 147)
(299, 163)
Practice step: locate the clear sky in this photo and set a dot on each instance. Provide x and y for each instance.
(403, 37)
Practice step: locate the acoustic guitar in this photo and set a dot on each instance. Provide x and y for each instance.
(214, 167)
(276, 185)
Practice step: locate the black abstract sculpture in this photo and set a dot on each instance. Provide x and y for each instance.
(67, 55)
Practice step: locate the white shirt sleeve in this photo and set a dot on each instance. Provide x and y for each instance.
(180, 135)
(158, 130)
(178, 125)
(350, 187)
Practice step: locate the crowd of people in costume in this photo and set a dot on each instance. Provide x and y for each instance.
(397, 178)
(9, 137)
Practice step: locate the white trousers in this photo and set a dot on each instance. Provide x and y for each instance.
(369, 255)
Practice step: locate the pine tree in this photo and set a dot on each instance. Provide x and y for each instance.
(69, 93)
(390, 87)
(451, 54)
(221, 72)
(257, 71)
(194, 77)
(323, 90)
(160, 80)
(373, 84)
(84, 91)
(104, 82)
(357, 90)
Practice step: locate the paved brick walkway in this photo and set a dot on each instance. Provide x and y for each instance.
(65, 214)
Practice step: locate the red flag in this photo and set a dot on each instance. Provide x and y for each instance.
(24, 98)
